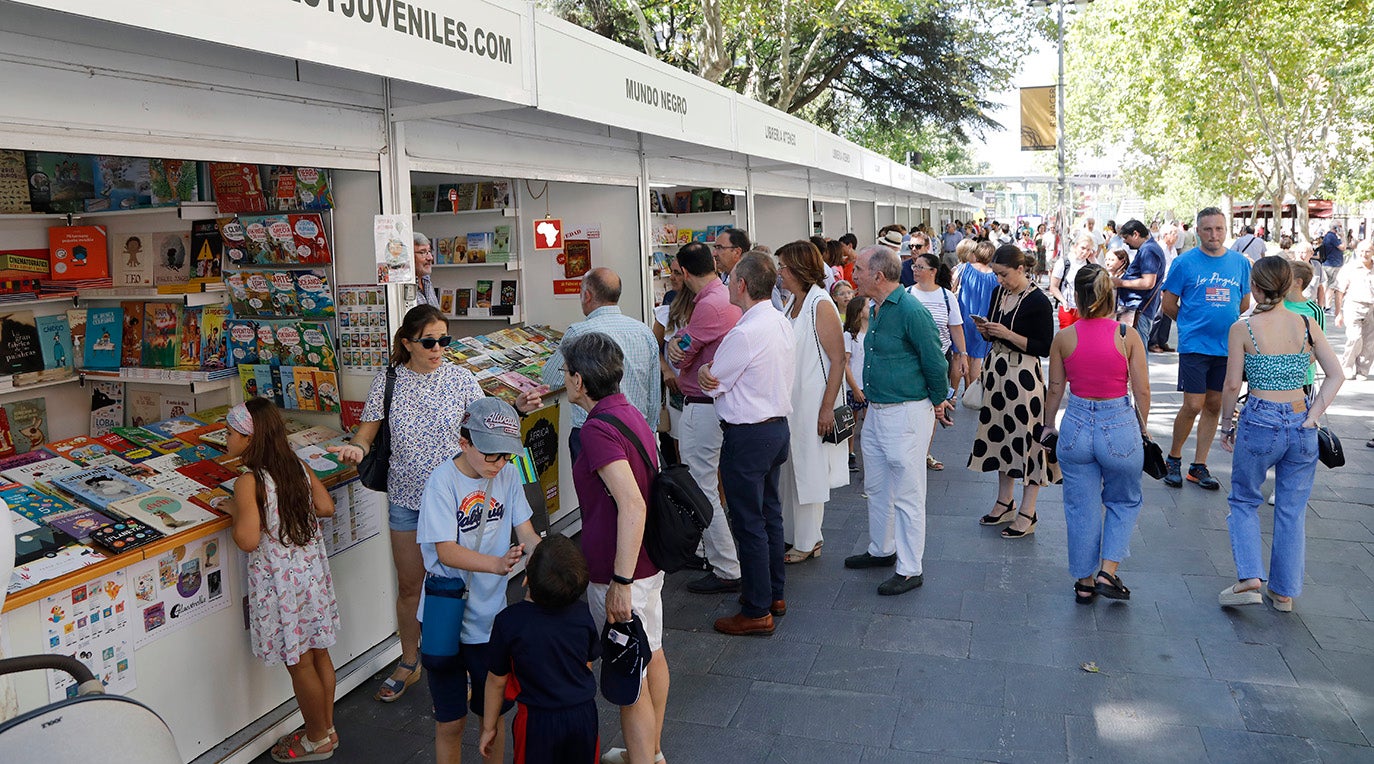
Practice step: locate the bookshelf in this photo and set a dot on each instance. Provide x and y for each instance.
(456, 236)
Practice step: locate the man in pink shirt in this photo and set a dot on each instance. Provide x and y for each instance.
(751, 381)
(712, 316)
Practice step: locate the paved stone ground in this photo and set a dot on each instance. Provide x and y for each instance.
(983, 662)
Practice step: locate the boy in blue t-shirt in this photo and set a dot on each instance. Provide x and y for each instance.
(457, 543)
(549, 641)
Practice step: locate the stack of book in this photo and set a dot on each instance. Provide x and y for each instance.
(508, 362)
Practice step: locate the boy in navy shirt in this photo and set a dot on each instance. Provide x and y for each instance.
(549, 641)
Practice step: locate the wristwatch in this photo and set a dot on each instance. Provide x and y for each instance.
(622, 580)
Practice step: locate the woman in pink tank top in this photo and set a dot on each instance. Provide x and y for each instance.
(1100, 449)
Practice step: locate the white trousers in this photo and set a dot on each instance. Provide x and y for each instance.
(896, 439)
(700, 447)
(801, 523)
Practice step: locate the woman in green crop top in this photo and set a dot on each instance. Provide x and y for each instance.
(1272, 349)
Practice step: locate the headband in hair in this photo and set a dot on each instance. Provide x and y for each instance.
(239, 419)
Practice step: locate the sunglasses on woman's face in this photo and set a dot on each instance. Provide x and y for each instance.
(428, 343)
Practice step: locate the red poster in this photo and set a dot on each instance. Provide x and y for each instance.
(548, 233)
(567, 287)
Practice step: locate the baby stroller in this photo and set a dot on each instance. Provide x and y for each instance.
(90, 727)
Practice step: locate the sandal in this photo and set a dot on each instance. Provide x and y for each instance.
(305, 749)
(792, 556)
(285, 741)
(398, 687)
(1080, 589)
(1011, 533)
(1284, 605)
(933, 464)
(1005, 517)
(1113, 589)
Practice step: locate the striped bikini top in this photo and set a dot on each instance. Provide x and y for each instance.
(1277, 371)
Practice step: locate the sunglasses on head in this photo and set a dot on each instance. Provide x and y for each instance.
(428, 343)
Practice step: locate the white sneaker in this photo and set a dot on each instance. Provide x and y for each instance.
(622, 756)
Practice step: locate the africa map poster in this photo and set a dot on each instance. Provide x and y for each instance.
(92, 622)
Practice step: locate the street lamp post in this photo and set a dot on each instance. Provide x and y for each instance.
(1061, 216)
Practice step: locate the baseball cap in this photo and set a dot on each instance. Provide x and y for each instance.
(625, 657)
(493, 426)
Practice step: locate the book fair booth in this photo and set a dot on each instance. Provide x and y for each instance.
(188, 218)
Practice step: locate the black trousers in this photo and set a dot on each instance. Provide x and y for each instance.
(1159, 333)
(751, 458)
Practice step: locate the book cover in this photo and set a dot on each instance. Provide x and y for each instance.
(321, 462)
(269, 352)
(458, 249)
(21, 460)
(479, 244)
(212, 415)
(286, 376)
(282, 287)
(124, 535)
(121, 183)
(171, 261)
(483, 293)
(577, 258)
(699, 235)
(701, 200)
(304, 378)
(260, 245)
(28, 420)
(144, 406)
(242, 336)
(268, 386)
(290, 348)
(6, 440)
(175, 483)
(722, 202)
(682, 201)
(105, 337)
(79, 449)
(213, 348)
(313, 296)
(311, 436)
(327, 390)
(78, 252)
(193, 437)
(137, 435)
(206, 473)
(500, 240)
(59, 182)
(117, 444)
(20, 345)
(684, 236)
(133, 259)
(162, 511)
(281, 188)
(34, 505)
(215, 498)
(237, 187)
(312, 189)
(496, 388)
(123, 466)
(423, 198)
(486, 196)
(55, 341)
(99, 487)
(351, 415)
(207, 249)
(76, 319)
(78, 523)
(168, 429)
(217, 438)
(248, 380)
(189, 338)
(467, 196)
(131, 346)
(501, 196)
(14, 183)
(107, 407)
(161, 324)
(233, 240)
(40, 471)
(318, 345)
(311, 245)
(446, 302)
(445, 199)
(173, 181)
(258, 289)
(281, 239)
(464, 302)
(508, 292)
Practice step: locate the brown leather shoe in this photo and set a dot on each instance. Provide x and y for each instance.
(778, 608)
(740, 625)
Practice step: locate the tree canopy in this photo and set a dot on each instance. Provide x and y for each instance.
(1255, 99)
(922, 68)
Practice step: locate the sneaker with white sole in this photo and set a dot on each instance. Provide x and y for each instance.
(622, 756)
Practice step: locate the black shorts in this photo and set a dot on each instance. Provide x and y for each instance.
(1201, 373)
(449, 677)
(544, 736)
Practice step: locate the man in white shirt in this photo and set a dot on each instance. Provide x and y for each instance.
(750, 379)
(1250, 245)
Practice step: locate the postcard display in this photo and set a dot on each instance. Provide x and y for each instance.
(472, 225)
(681, 215)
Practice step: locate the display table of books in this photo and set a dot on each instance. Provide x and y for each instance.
(85, 506)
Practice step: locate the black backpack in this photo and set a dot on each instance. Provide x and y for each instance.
(677, 512)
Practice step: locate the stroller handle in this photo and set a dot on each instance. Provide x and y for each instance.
(86, 681)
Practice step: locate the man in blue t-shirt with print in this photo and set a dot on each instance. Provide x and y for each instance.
(1205, 292)
(1331, 254)
(1137, 296)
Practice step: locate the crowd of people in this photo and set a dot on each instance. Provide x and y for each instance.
(774, 377)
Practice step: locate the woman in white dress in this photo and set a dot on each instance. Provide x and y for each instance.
(814, 466)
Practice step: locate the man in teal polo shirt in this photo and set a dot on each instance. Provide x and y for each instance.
(906, 384)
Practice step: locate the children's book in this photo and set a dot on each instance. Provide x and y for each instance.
(24, 501)
(14, 183)
(327, 390)
(212, 415)
(446, 301)
(163, 511)
(248, 380)
(173, 181)
(170, 428)
(76, 319)
(59, 182)
(323, 463)
(80, 449)
(313, 298)
(312, 436)
(104, 338)
(287, 377)
(177, 405)
(311, 245)
(207, 248)
(161, 325)
(464, 302)
(215, 499)
(133, 259)
(242, 335)
(123, 466)
(99, 487)
(213, 347)
(131, 351)
(193, 437)
(138, 436)
(479, 244)
(237, 187)
(79, 522)
(233, 240)
(290, 349)
(258, 289)
(121, 183)
(319, 346)
(6, 440)
(107, 407)
(124, 535)
(78, 252)
(207, 472)
(175, 483)
(171, 257)
(189, 338)
(20, 346)
(268, 385)
(312, 189)
(304, 378)
(28, 421)
(282, 286)
(21, 460)
(144, 406)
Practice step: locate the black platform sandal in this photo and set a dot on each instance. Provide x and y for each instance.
(1011, 533)
(1115, 590)
(1005, 517)
(1080, 589)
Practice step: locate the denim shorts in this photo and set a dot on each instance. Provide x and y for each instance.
(401, 518)
(1201, 373)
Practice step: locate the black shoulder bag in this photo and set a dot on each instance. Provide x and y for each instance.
(373, 469)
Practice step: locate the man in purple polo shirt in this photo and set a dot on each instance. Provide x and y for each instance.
(712, 317)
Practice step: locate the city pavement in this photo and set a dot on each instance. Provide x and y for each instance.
(985, 662)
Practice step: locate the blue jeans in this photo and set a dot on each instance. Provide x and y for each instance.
(1268, 435)
(1101, 457)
